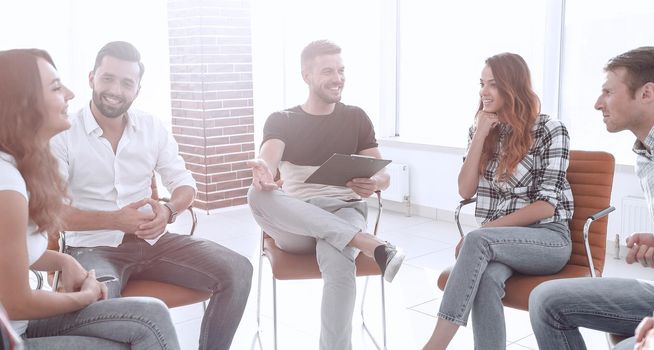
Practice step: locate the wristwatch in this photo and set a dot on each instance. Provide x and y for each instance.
(173, 212)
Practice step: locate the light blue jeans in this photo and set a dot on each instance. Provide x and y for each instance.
(127, 323)
(558, 308)
(325, 226)
(487, 259)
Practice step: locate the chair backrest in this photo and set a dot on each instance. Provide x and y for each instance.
(590, 174)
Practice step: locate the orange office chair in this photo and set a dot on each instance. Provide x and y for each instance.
(288, 266)
(590, 175)
(172, 295)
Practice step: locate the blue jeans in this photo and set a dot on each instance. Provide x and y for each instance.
(558, 308)
(185, 261)
(128, 323)
(487, 259)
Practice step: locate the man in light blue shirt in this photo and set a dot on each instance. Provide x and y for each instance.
(558, 308)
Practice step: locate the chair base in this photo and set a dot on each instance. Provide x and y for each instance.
(257, 336)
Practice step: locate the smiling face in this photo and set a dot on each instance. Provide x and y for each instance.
(619, 108)
(491, 99)
(115, 85)
(55, 101)
(325, 76)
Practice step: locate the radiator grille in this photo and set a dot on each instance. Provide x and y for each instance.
(635, 216)
(399, 190)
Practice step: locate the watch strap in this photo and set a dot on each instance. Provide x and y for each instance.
(173, 212)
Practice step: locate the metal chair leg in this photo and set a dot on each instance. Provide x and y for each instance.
(275, 311)
(258, 334)
(383, 295)
(363, 319)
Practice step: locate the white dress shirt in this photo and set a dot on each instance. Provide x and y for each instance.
(99, 180)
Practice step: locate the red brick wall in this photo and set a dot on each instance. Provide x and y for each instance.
(211, 92)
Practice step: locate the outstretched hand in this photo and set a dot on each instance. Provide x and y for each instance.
(262, 178)
(641, 249)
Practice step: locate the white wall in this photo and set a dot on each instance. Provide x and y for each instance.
(73, 31)
(282, 28)
(434, 172)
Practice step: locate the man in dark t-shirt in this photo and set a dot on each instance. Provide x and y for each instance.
(328, 220)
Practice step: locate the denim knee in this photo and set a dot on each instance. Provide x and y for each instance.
(545, 299)
(240, 276)
(152, 307)
(476, 240)
(491, 281)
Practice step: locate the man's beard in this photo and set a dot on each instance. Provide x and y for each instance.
(326, 97)
(108, 111)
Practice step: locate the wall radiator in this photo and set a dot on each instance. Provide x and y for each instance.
(635, 217)
(399, 190)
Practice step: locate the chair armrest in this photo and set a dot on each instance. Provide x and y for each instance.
(39, 278)
(380, 206)
(602, 213)
(592, 218)
(457, 212)
(62, 248)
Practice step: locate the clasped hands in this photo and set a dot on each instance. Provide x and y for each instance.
(75, 279)
(144, 223)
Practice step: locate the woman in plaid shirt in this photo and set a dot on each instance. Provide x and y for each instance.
(516, 164)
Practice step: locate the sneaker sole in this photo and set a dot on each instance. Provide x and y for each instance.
(394, 266)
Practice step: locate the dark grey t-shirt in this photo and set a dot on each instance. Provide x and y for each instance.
(311, 139)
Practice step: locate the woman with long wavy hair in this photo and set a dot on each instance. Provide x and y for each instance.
(516, 165)
(33, 107)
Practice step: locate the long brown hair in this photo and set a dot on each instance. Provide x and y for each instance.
(22, 114)
(520, 111)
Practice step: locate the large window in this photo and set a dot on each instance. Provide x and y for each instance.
(595, 32)
(73, 32)
(443, 46)
(281, 29)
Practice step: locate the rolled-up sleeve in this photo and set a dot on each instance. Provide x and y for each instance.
(170, 165)
(555, 160)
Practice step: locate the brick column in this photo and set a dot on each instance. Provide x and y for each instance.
(211, 95)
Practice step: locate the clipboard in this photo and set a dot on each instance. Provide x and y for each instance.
(341, 168)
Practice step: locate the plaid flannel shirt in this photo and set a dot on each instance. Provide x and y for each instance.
(645, 168)
(540, 176)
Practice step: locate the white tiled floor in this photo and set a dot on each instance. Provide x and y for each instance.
(412, 299)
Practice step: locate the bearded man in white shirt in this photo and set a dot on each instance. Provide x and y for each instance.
(108, 157)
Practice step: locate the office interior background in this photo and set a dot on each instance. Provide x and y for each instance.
(413, 66)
